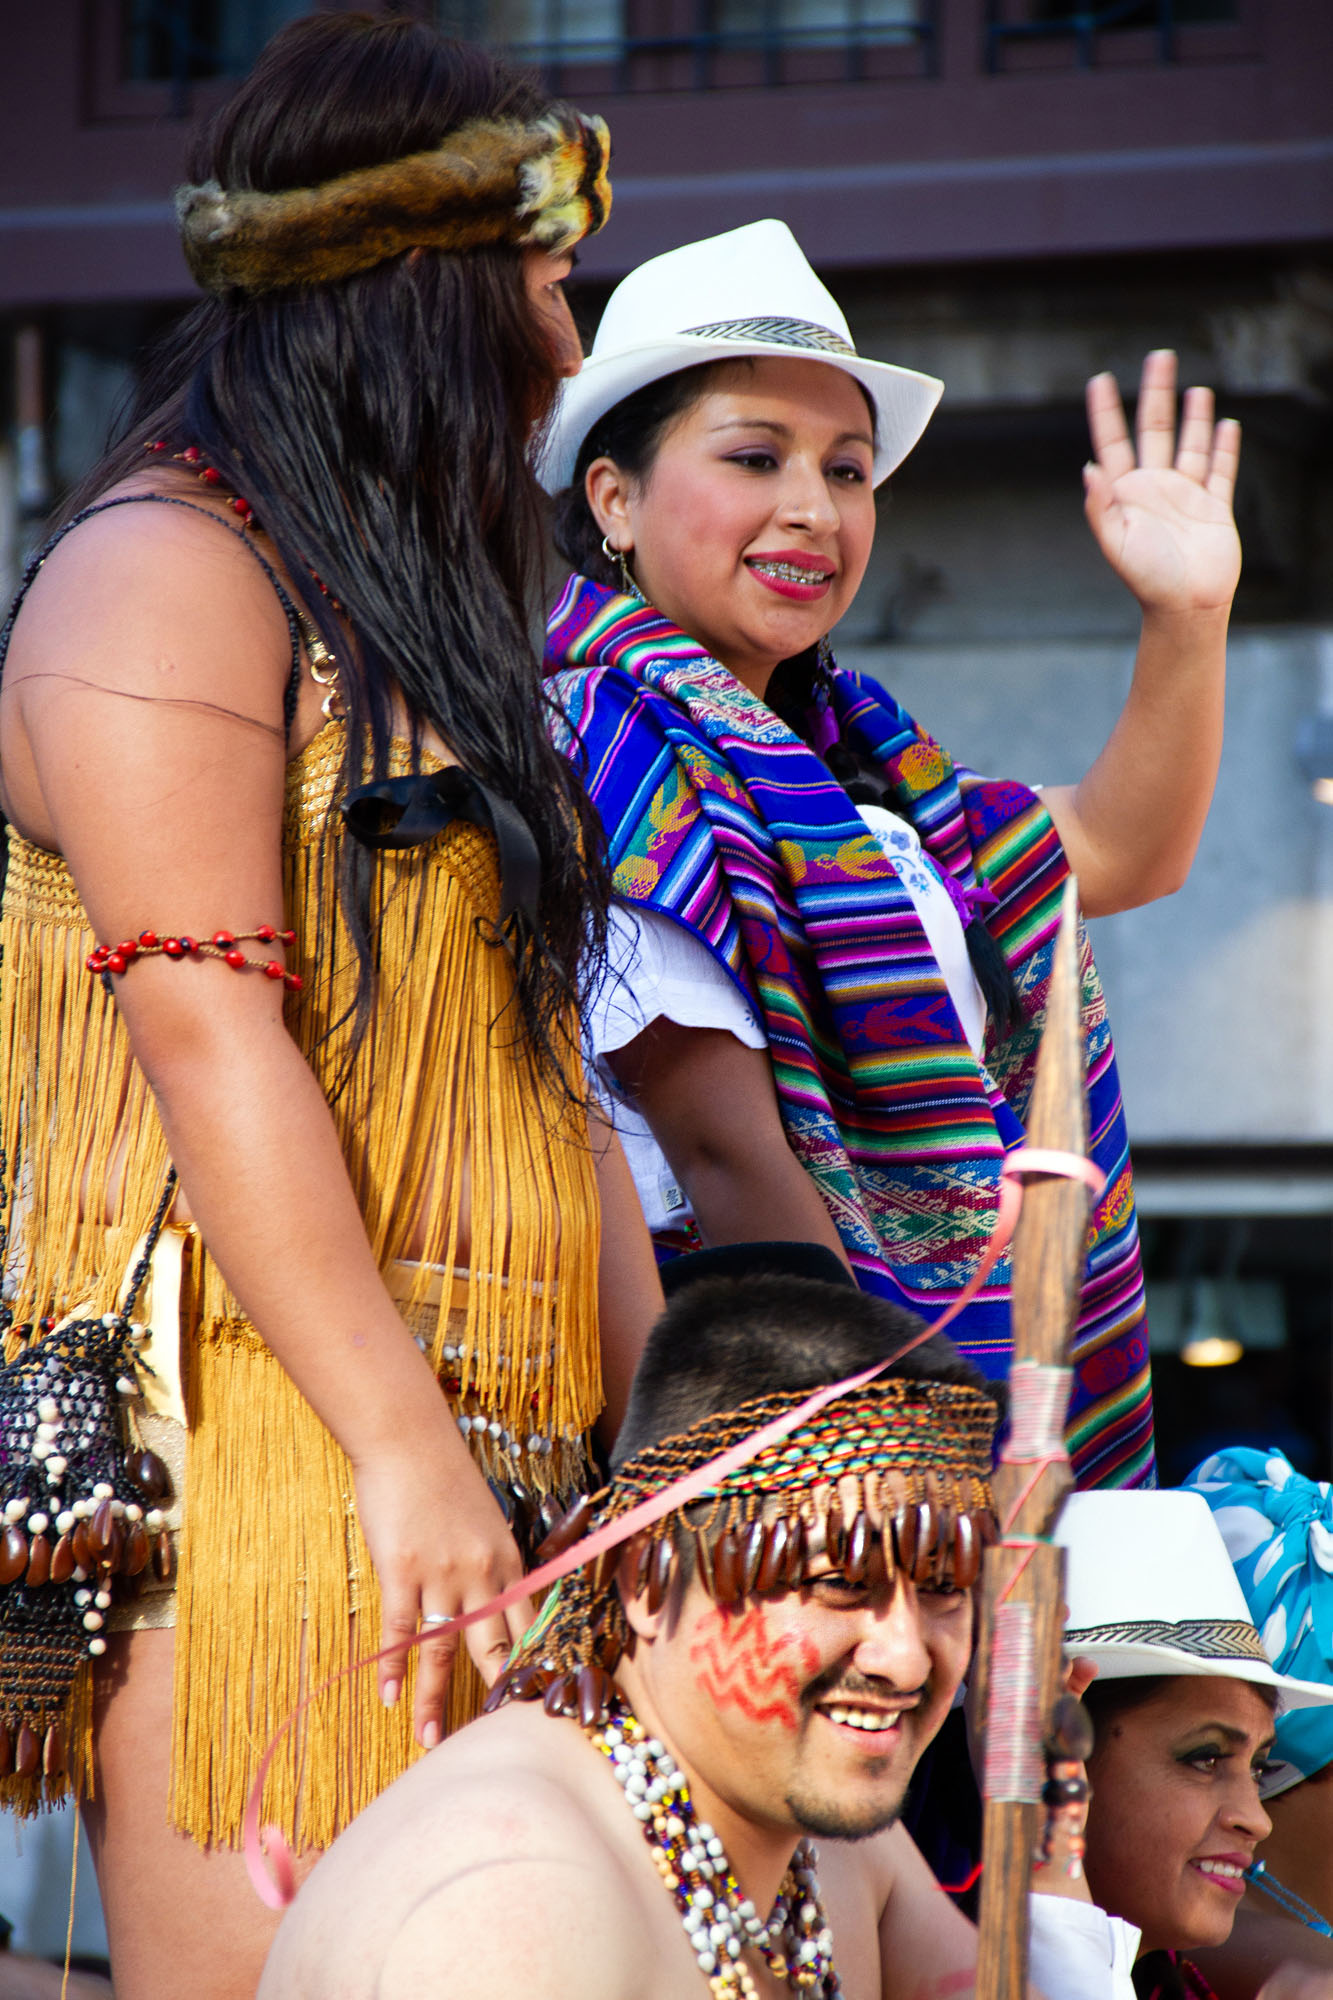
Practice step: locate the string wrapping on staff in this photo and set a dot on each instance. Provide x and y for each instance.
(1038, 1402)
(1014, 1767)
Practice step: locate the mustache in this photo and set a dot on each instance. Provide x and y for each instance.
(846, 1684)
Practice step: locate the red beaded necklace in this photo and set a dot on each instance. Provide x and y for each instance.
(240, 506)
(209, 474)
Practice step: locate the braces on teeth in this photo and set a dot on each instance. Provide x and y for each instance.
(790, 573)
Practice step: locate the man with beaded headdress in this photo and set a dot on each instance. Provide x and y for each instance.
(762, 1665)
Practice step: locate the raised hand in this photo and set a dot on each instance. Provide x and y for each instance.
(1162, 515)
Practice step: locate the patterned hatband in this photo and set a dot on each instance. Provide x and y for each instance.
(1201, 1638)
(892, 1480)
(806, 333)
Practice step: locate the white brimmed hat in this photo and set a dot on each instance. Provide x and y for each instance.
(1151, 1590)
(749, 292)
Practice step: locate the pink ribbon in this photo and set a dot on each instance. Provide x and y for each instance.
(268, 1856)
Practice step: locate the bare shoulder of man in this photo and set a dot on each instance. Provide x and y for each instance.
(540, 1926)
(489, 1867)
(927, 1946)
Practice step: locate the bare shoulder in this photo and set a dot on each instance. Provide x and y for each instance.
(156, 576)
(490, 1866)
(896, 1934)
(1264, 1946)
(150, 641)
(868, 1871)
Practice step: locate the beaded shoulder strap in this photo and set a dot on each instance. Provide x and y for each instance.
(166, 500)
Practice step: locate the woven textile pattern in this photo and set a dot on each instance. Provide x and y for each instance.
(720, 818)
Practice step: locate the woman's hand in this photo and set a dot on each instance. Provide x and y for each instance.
(1077, 1674)
(1162, 518)
(1162, 515)
(440, 1547)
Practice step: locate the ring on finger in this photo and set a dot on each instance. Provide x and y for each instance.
(436, 1618)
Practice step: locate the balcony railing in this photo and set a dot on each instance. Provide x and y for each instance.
(705, 44)
(1028, 21)
(627, 46)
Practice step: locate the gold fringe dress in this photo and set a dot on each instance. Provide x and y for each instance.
(272, 1564)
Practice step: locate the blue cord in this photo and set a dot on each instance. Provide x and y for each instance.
(1287, 1899)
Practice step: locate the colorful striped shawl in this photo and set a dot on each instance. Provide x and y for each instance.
(722, 819)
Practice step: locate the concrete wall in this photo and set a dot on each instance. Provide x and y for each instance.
(1221, 995)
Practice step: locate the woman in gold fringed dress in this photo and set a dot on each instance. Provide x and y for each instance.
(271, 723)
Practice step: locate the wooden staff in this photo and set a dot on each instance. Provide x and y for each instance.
(1022, 1600)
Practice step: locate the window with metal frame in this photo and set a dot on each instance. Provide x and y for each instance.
(541, 32)
(191, 41)
(1012, 22)
(629, 45)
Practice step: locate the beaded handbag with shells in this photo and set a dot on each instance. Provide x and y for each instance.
(80, 1518)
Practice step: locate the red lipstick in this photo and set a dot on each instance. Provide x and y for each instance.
(795, 573)
(1225, 1871)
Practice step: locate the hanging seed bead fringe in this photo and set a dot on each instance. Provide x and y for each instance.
(226, 945)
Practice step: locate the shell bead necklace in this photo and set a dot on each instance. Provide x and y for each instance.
(720, 1923)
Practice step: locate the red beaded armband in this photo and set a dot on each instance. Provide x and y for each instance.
(225, 945)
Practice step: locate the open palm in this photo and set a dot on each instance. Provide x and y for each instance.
(1162, 514)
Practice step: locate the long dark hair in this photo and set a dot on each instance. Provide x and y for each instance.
(380, 427)
(630, 435)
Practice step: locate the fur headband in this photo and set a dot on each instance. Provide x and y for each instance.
(493, 181)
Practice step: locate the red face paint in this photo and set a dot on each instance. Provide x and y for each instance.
(743, 1665)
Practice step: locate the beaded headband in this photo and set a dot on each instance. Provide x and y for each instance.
(492, 181)
(891, 1480)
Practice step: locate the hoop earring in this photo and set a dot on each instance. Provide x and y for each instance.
(617, 557)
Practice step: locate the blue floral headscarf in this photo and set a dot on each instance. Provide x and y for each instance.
(1278, 1528)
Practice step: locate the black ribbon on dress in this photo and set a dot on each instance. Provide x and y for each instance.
(407, 812)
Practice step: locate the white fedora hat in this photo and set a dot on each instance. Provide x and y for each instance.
(1151, 1590)
(749, 292)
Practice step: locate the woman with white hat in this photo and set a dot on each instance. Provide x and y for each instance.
(1278, 1529)
(837, 944)
(1184, 1707)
